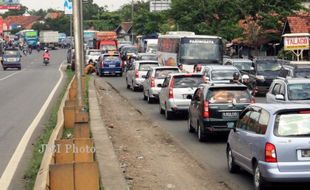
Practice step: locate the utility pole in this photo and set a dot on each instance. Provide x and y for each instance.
(132, 9)
(79, 49)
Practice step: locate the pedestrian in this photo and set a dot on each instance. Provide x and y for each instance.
(90, 67)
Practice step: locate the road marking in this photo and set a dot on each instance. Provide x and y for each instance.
(10, 75)
(10, 169)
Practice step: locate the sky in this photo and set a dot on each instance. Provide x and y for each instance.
(58, 4)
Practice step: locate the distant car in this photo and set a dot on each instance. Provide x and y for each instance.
(271, 141)
(295, 70)
(92, 54)
(147, 56)
(219, 73)
(155, 76)
(289, 91)
(11, 58)
(214, 105)
(265, 70)
(243, 65)
(109, 64)
(173, 97)
(135, 72)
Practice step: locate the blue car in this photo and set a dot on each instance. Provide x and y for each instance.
(109, 65)
(11, 58)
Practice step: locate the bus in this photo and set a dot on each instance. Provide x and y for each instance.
(189, 49)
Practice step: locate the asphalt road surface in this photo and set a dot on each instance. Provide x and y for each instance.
(22, 94)
(210, 154)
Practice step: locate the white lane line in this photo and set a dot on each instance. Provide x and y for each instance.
(10, 169)
(10, 75)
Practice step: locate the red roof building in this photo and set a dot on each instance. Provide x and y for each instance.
(299, 23)
(24, 22)
(53, 15)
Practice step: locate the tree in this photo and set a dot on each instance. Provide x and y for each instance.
(21, 11)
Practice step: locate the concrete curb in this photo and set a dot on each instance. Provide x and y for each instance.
(110, 172)
(42, 178)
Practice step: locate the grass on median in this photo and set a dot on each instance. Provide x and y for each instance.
(31, 172)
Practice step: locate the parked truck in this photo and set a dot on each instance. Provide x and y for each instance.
(106, 40)
(49, 39)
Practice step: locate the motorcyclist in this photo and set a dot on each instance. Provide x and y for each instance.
(46, 55)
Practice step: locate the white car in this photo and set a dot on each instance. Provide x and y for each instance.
(92, 54)
(156, 76)
(176, 91)
(135, 72)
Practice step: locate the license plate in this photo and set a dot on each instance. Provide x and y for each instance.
(11, 59)
(230, 115)
(111, 66)
(305, 153)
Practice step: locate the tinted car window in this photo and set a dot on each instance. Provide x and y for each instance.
(299, 91)
(262, 122)
(11, 53)
(243, 122)
(268, 66)
(229, 96)
(243, 65)
(187, 81)
(276, 89)
(162, 73)
(293, 124)
(146, 66)
(253, 121)
(222, 74)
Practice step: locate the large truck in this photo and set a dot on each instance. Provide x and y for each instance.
(28, 36)
(49, 39)
(89, 36)
(106, 40)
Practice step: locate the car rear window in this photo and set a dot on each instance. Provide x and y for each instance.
(162, 73)
(293, 124)
(305, 72)
(228, 95)
(94, 53)
(190, 81)
(147, 66)
(223, 74)
(299, 91)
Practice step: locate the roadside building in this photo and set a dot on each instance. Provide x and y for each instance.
(124, 30)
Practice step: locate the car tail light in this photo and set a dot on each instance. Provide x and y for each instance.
(206, 109)
(136, 74)
(304, 112)
(270, 153)
(171, 89)
(253, 101)
(152, 82)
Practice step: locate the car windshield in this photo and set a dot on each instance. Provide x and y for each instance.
(94, 53)
(187, 81)
(229, 96)
(223, 74)
(162, 73)
(299, 91)
(11, 53)
(247, 66)
(293, 124)
(263, 66)
(147, 66)
(302, 72)
(202, 51)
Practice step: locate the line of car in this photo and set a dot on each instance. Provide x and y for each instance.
(270, 141)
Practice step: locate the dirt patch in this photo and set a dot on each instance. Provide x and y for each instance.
(148, 156)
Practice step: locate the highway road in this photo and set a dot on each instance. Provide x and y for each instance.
(211, 155)
(23, 101)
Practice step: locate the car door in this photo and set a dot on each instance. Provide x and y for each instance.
(163, 94)
(274, 90)
(146, 82)
(194, 107)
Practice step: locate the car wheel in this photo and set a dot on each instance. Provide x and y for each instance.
(149, 99)
(232, 167)
(200, 135)
(144, 96)
(127, 85)
(190, 128)
(259, 182)
(161, 110)
(134, 88)
(4, 68)
(19, 68)
(168, 114)
(121, 74)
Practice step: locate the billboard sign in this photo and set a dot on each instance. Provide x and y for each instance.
(9, 4)
(296, 43)
(68, 7)
(159, 5)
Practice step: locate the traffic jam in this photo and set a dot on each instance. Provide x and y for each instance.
(259, 104)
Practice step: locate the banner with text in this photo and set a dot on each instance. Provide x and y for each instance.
(9, 4)
(296, 43)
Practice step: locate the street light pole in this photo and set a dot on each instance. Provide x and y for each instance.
(77, 28)
(132, 9)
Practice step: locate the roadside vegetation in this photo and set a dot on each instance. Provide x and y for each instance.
(34, 166)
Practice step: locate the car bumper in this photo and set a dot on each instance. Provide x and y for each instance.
(138, 83)
(107, 71)
(12, 65)
(271, 173)
(216, 125)
(178, 105)
(154, 92)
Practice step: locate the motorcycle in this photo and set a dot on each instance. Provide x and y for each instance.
(46, 61)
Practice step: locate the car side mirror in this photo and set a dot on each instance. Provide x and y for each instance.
(279, 97)
(160, 85)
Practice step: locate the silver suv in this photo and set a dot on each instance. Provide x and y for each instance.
(175, 92)
(289, 90)
(135, 72)
(271, 141)
(155, 76)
